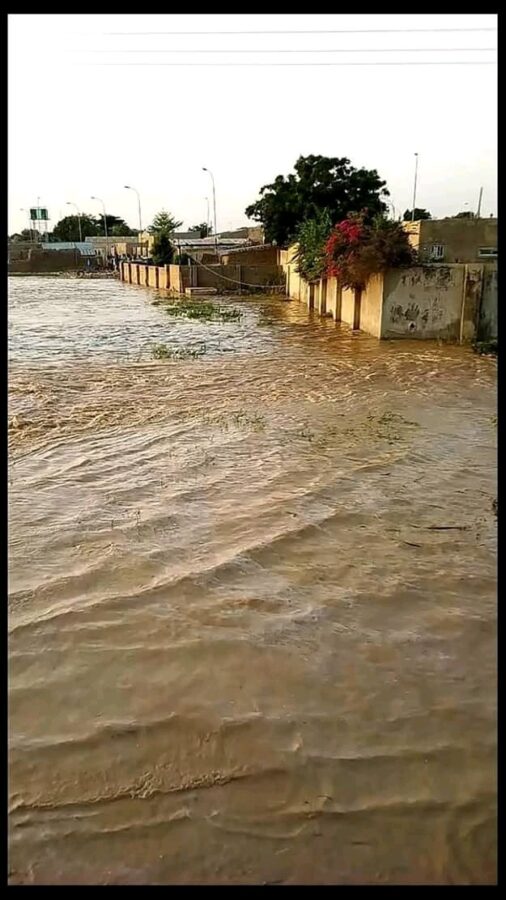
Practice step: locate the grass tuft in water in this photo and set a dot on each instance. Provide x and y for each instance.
(199, 309)
(162, 351)
(254, 421)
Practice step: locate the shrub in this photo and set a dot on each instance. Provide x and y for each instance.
(163, 250)
(357, 249)
(311, 237)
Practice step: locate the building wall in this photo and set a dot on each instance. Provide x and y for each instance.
(423, 302)
(371, 306)
(121, 245)
(487, 323)
(334, 299)
(263, 255)
(347, 306)
(39, 262)
(460, 238)
(454, 302)
(344, 304)
(223, 278)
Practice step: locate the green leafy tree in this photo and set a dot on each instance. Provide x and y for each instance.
(25, 235)
(419, 214)
(319, 182)
(203, 229)
(122, 230)
(67, 229)
(164, 223)
(465, 214)
(163, 251)
(116, 226)
(311, 238)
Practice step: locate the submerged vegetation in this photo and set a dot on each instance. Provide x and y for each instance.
(241, 419)
(485, 348)
(162, 351)
(199, 309)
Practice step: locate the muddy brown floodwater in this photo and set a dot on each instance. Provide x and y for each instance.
(252, 607)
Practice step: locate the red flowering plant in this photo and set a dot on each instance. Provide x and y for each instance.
(358, 248)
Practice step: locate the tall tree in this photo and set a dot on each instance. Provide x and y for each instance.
(164, 222)
(115, 222)
(419, 214)
(122, 230)
(67, 229)
(163, 251)
(319, 182)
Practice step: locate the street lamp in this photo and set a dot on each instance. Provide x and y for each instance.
(414, 188)
(207, 216)
(128, 187)
(204, 169)
(69, 203)
(105, 227)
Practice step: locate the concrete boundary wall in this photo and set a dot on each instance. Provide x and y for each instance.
(456, 302)
(226, 279)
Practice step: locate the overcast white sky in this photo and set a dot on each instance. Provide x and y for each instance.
(91, 110)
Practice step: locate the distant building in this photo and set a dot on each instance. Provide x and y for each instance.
(85, 248)
(252, 235)
(122, 246)
(253, 255)
(226, 239)
(453, 240)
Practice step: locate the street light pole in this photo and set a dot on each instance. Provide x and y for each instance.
(204, 169)
(207, 216)
(414, 188)
(128, 187)
(69, 203)
(478, 211)
(105, 228)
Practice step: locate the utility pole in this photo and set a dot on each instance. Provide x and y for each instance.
(105, 230)
(207, 216)
(414, 188)
(129, 187)
(478, 211)
(214, 209)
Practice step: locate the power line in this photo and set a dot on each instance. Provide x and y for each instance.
(305, 31)
(302, 65)
(318, 50)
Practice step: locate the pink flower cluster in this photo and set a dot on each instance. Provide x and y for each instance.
(339, 246)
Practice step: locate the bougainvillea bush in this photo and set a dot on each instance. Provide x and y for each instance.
(358, 248)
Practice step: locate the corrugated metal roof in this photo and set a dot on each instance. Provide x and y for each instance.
(84, 248)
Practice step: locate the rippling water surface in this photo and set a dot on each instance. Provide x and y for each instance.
(252, 598)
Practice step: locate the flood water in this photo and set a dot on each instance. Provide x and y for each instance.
(252, 612)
